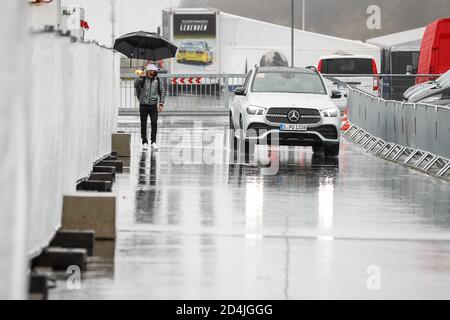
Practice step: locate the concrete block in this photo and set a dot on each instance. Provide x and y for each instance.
(105, 249)
(111, 157)
(112, 163)
(105, 169)
(121, 144)
(38, 286)
(126, 162)
(101, 176)
(89, 211)
(73, 239)
(61, 258)
(93, 185)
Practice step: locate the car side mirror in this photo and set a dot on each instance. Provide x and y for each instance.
(336, 94)
(239, 91)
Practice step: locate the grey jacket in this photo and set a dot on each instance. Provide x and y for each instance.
(150, 91)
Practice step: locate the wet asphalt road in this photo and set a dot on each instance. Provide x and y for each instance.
(355, 227)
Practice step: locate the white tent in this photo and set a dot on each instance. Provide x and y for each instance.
(409, 40)
(244, 41)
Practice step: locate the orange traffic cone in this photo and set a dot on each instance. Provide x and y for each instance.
(345, 122)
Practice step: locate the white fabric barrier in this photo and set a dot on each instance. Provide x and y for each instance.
(58, 114)
(13, 135)
(73, 112)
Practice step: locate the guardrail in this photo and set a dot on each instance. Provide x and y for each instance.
(412, 134)
(59, 108)
(187, 92)
(392, 86)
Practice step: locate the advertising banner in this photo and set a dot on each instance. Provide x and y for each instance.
(196, 38)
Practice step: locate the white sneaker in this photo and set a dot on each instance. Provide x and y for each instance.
(145, 146)
(154, 146)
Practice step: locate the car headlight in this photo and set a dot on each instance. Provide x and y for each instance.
(331, 112)
(255, 110)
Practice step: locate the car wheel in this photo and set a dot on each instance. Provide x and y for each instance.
(232, 133)
(231, 121)
(331, 150)
(249, 147)
(317, 148)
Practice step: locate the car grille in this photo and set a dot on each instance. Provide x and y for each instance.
(280, 115)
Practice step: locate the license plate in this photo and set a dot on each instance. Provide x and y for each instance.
(293, 127)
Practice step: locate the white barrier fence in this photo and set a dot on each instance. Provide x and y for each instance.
(58, 114)
(13, 133)
(73, 114)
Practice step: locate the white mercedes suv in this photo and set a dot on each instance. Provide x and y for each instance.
(286, 106)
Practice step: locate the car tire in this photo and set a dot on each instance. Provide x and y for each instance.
(249, 147)
(231, 121)
(331, 150)
(232, 133)
(317, 149)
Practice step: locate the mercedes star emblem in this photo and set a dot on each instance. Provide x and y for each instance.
(293, 116)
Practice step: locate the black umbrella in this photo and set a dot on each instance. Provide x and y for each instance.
(145, 45)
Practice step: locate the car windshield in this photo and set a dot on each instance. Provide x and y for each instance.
(347, 66)
(294, 82)
(192, 45)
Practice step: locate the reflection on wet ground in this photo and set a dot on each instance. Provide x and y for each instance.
(195, 223)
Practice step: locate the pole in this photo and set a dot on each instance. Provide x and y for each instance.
(292, 33)
(303, 15)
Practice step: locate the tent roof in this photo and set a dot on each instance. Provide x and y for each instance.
(400, 41)
(301, 32)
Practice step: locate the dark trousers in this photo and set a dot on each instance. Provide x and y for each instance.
(145, 111)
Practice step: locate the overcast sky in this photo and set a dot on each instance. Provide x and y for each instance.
(132, 15)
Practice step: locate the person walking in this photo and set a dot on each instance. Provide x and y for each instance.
(151, 95)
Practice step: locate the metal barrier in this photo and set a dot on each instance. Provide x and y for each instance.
(413, 134)
(187, 92)
(392, 86)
